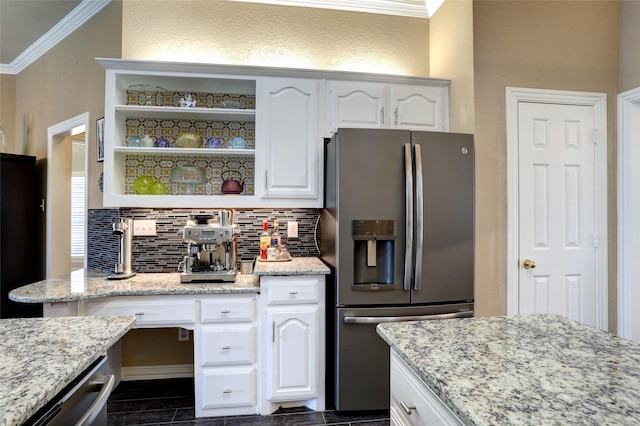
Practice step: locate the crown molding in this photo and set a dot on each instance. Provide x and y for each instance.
(410, 8)
(74, 20)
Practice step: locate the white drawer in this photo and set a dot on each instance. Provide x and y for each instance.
(228, 344)
(292, 290)
(228, 309)
(224, 388)
(148, 311)
(412, 402)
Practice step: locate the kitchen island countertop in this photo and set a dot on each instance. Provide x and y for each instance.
(39, 357)
(523, 370)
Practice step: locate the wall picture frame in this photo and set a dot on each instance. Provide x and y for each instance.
(100, 139)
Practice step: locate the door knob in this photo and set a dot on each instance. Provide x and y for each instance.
(529, 264)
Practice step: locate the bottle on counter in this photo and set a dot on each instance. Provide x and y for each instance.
(276, 238)
(265, 240)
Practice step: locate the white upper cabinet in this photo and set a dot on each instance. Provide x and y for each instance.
(381, 105)
(419, 107)
(353, 104)
(290, 153)
(280, 116)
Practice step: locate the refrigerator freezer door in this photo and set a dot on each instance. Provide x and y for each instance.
(362, 357)
(447, 202)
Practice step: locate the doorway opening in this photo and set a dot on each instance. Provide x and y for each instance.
(67, 158)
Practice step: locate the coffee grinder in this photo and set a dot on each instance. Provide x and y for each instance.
(211, 248)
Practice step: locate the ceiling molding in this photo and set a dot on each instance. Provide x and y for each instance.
(74, 20)
(410, 8)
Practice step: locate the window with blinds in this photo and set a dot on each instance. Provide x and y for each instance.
(77, 215)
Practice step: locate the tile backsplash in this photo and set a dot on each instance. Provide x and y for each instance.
(162, 252)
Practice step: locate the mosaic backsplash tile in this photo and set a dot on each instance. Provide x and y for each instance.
(173, 128)
(217, 169)
(162, 97)
(162, 252)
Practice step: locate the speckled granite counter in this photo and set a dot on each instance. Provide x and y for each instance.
(525, 370)
(40, 356)
(86, 284)
(296, 266)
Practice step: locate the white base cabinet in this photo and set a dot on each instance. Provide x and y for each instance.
(225, 334)
(293, 341)
(412, 402)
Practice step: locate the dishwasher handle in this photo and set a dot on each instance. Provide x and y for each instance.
(378, 320)
(101, 400)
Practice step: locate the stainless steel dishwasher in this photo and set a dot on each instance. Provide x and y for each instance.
(82, 403)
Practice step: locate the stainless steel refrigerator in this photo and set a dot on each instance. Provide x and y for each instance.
(397, 231)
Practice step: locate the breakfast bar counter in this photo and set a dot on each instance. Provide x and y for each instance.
(41, 356)
(523, 370)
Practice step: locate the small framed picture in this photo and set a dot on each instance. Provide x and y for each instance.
(100, 138)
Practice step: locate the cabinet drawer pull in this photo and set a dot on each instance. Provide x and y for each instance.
(139, 313)
(227, 391)
(226, 348)
(407, 409)
(225, 312)
(293, 293)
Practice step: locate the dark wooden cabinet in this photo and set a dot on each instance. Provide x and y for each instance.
(21, 237)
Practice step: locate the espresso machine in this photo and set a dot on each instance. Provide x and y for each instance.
(211, 248)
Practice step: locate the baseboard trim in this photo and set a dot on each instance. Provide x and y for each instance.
(153, 372)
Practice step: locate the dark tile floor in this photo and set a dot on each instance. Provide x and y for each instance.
(171, 402)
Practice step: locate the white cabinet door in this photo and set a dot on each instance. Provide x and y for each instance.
(293, 353)
(381, 105)
(289, 156)
(353, 104)
(416, 107)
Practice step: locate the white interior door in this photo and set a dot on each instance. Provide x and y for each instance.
(558, 210)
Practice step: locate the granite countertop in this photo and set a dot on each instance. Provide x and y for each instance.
(90, 284)
(40, 356)
(296, 266)
(523, 370)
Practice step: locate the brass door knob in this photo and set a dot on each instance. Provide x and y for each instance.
(529, 264)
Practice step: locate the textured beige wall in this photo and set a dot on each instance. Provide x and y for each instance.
(451, 57)
(629, 42)
(66, 82)
(227, 32)
(568, 45)
(7, 111)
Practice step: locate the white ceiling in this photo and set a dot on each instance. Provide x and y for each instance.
(28, 28)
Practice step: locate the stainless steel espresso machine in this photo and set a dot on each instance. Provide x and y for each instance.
(211, 248)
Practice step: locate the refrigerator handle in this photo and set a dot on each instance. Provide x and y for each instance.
(408, 176)
(417, 276)
(378, 320)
